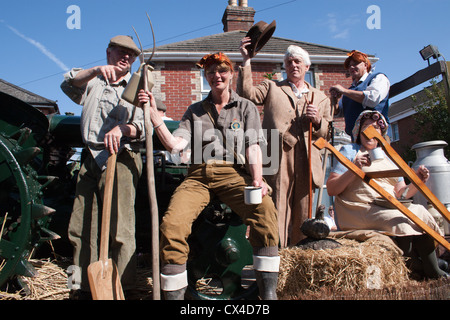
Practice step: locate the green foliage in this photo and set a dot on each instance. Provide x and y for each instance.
(269, 75)
(433, 116)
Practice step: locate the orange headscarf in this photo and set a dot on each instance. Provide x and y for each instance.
(213, 58)
(358, 56)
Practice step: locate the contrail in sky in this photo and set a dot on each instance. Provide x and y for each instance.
(39, 46)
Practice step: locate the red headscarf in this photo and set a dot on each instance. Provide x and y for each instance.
(213, 58)
(358, 56)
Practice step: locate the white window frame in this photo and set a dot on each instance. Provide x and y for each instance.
(309, 77)
(395, 135)
(204, 85)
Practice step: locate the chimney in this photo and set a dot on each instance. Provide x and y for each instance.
(238, 17)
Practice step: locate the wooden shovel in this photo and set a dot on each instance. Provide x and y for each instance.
(103, 275)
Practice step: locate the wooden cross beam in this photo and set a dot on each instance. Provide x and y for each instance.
(404, 170)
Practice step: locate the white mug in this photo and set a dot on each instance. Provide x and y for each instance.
(252, 195)
(376, 154)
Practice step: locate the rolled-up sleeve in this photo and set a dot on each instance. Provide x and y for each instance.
(137, 121)
(253, 131)
(74, 93)
(377, 90)
(184, 129)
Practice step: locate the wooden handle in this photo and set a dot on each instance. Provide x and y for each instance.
(310, 195)
(371, 133)
(107, 202)
(152, 196)
(310, 171)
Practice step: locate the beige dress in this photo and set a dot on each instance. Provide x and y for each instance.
(355, 208)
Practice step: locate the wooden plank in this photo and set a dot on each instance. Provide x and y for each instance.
(385, 174)
(417, 78)
(371, 133)
(321, 143)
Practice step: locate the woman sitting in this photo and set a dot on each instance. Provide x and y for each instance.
(355, 200)
(214, 172)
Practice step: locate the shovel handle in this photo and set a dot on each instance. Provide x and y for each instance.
(107, 201)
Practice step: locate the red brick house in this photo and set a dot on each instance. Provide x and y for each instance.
(179, 83)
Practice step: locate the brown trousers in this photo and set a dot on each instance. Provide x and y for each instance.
(193, 195)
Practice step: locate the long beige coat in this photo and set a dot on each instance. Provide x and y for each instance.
(285, 112)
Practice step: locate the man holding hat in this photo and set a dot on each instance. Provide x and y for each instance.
(290, 106)
(369, 90)
(108, 125)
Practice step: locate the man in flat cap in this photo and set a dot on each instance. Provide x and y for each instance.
(108, 125)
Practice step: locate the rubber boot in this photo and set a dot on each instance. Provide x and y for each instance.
(424, 245)
(175, 295)
(267, 284)
(414, 263)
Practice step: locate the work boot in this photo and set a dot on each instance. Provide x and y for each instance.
(175, 295)
(267, 284)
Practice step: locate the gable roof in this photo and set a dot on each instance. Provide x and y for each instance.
(228, 42)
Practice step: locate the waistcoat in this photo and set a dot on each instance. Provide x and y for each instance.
(352, 109)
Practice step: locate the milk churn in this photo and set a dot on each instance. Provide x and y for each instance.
(431, 155)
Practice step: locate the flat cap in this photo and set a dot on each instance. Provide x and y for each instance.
(125, 42)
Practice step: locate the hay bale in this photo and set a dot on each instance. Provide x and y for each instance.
(354, 266)
(50, 283)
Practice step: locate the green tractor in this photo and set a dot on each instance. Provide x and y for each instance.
(37, 187)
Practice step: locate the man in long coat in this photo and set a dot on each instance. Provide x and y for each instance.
(289, 106)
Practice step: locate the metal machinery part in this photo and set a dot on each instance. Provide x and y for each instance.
(219, 254)
(23, 215)
(37, 185)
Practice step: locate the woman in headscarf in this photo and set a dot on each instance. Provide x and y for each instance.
(356, 206)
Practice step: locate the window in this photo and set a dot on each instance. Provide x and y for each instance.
(395, 136)
(327, 200)
(205, 88)
(309, 77)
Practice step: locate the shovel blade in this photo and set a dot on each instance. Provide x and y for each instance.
(104, 281)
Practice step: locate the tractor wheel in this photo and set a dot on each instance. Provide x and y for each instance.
(22, 214)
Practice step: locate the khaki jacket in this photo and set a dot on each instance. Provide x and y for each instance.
(285, 112)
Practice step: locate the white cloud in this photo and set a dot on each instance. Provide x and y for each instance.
(339, 27)
(39, 46)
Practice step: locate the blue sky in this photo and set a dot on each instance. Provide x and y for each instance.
(37, 45)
